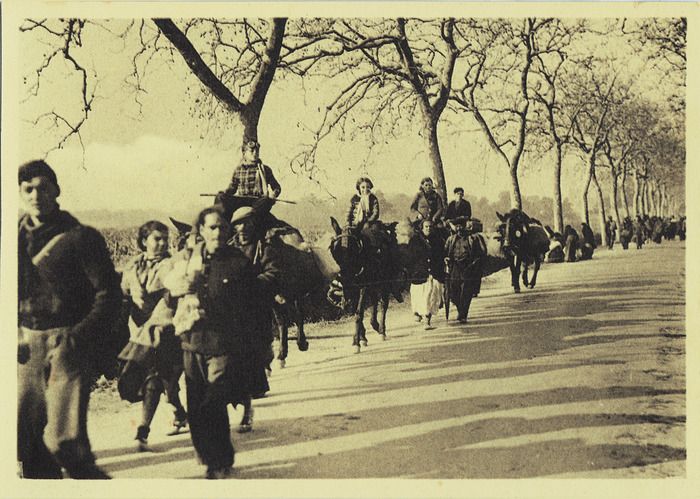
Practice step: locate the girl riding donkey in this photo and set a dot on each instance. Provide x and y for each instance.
(153, 359)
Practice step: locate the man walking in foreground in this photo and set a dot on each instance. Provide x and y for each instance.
(68, 297)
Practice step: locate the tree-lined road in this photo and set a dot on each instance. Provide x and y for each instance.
(583, 376)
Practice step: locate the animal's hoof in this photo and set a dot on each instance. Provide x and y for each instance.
(281, 363)
(357, 348)
(383, 336)
(375, 326)
(363, 343)
(245, 428)
(303, 345)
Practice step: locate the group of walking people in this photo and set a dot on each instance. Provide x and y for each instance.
(204, 310)
(440, 251)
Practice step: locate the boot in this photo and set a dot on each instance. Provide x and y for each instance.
(179, 421)
(142, 438)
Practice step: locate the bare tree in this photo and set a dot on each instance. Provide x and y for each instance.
(597, 90)
(393, 71)
(549, 72)
(233, 60)
(496, 64)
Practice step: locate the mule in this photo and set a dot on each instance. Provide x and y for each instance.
(369, 271)
(525, 242)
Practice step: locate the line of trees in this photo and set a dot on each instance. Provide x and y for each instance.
(534, 88)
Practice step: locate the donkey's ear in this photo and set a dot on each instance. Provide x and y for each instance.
(336, 226)
(500, 217)
(181, 227)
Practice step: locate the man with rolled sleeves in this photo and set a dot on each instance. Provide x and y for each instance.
(68, 298)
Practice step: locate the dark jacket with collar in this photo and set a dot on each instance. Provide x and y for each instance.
(71, 282)
(228, 294)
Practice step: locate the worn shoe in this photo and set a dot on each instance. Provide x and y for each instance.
(142, 438)
(219, 473)
(246, 424)
(417, 317)
(87, 472)
(179, 423)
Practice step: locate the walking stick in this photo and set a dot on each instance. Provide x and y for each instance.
(447, 290)
(252, 198)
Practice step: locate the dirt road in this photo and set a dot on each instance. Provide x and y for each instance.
(582, 377)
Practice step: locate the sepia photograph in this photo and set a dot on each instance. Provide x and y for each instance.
(350, 249)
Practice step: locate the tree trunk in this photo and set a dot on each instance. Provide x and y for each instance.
(664, 201)
(249, 120)
(557, 210)
(637, 211)
(647, 198)
(591, 172)
(436, 158)
(623, 184)
(515, 199)
(614, 198)
(601, 200)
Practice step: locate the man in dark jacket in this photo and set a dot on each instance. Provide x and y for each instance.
(68, 298)
(459, 207)
(219, 344)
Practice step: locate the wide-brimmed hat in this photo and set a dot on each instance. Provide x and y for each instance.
(242, 213)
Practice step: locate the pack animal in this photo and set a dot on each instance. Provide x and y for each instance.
(369, 271)
(525, 242)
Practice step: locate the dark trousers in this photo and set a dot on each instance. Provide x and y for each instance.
(53, 394)
(461, 294)
(208, 393)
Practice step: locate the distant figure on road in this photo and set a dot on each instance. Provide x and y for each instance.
(587, 242)
(639, 232)
(251, 180)
(153, 358)
(427, 204)
(571, 243)
(68, 299)
(364, 206)
(611, 231)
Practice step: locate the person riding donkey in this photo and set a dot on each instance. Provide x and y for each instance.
(458, 207)
(427, 204)
(363, 221)
(251, 180)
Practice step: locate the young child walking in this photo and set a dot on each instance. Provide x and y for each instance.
(153, 351)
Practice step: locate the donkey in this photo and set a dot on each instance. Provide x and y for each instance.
(369, 273)
(525, 242)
